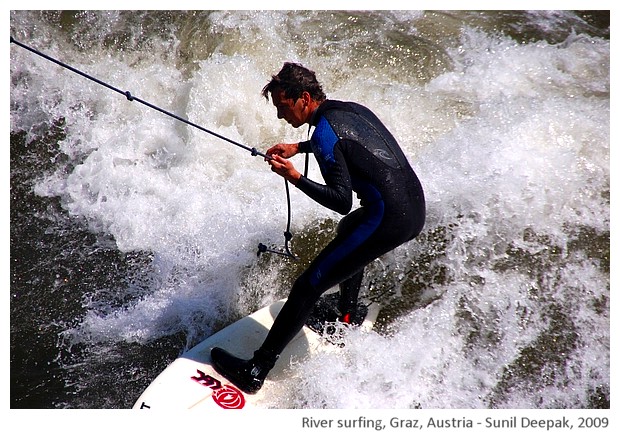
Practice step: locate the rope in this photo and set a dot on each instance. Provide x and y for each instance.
(132, 98)
(261, 247)
(288, 236)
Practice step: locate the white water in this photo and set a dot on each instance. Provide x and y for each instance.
(511, 141)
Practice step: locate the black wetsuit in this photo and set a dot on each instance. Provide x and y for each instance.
(356, 153)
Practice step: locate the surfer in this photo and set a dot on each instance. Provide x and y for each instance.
(355, 153)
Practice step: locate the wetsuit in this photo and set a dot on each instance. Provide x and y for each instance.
(355, 153)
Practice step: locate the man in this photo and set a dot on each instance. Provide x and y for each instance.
(356, 153)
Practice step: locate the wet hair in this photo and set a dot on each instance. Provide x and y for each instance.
(293, 79)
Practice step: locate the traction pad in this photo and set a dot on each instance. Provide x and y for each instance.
(325, 314)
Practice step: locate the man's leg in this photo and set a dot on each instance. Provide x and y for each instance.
(349, 292)
(249, 375)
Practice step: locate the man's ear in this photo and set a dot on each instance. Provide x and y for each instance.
(306, 97)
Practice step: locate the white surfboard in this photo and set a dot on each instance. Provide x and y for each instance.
(191, 381)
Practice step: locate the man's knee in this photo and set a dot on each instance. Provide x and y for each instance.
(303, 290)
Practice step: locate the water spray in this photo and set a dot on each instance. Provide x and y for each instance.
(130, 97)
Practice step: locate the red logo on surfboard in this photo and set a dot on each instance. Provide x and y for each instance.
(227, 396)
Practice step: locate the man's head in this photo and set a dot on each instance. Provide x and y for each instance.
(295, 93)
(293, 79)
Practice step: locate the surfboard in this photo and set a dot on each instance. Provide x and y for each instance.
(191, 382)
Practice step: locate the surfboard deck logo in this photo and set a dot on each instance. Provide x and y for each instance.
(226, 396)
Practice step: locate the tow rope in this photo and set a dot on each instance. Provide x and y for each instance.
(261, 247)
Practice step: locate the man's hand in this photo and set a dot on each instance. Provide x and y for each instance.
(286, 150)
(284, 168)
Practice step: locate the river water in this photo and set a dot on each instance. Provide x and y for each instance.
(134, 236)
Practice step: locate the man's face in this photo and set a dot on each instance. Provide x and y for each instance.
(290, 110)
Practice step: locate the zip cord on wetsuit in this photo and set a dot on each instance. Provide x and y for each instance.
(261, 247)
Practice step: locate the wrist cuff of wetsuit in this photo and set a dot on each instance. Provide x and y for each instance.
(301, 182)
(304, 146)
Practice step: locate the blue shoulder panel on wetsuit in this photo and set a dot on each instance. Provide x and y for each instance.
(323, 141)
